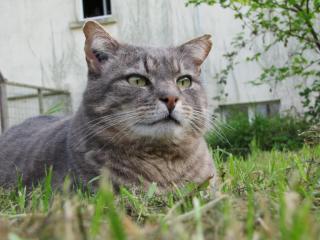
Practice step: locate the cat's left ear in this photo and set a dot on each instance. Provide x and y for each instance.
(197, 49)
(99, 46)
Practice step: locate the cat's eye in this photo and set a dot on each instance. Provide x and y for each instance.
(138, 81)
(184, 82)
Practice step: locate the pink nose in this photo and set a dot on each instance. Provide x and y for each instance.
(170, 101)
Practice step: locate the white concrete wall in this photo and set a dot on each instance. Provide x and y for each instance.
(37, 45)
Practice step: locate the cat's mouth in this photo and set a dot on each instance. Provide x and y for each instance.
(167, 119)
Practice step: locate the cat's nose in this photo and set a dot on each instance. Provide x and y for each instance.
(170, 101)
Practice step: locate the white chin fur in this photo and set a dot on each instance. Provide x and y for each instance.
(159, 131)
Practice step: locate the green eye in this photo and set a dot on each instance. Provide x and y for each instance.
(138, 81)
(184, 83)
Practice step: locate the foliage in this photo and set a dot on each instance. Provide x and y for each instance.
(279, 24)
(281, 133)
(271, 195)
(312, 135)
(56, 108)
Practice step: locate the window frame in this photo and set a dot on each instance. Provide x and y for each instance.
(251, 108)
(105, 10)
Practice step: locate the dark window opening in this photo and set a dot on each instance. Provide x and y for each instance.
(96, 8)
(108, 7)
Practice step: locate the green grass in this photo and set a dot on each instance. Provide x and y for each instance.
(269, 195)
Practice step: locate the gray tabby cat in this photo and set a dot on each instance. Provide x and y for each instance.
(143, 117)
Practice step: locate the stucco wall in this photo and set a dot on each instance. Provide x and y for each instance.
(38, 46)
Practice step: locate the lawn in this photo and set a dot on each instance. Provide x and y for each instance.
(269, 195)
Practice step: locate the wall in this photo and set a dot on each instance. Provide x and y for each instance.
(38, 46)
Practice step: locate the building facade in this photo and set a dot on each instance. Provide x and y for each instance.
(41, 43)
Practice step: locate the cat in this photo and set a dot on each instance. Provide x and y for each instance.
(143, 118)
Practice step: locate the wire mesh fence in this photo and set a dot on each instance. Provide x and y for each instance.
(21, 101)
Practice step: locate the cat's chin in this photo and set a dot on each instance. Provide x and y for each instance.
(159, 130)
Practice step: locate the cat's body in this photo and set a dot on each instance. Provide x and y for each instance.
(38, 143)
(143, 118)
(29, 149)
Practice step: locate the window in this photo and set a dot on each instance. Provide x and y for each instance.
(265, 109)
(96, 8)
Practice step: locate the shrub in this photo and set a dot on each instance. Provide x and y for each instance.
(237, 135)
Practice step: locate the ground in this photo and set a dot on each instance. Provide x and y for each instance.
(268, 195)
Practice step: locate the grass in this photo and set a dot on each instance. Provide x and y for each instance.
(269, 195)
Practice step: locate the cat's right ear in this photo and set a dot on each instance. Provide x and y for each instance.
(99, 46)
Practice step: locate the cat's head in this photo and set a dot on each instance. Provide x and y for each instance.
(145, 92)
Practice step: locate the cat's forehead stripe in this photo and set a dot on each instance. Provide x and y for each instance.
(157, 61)
(151, 64)
(175, 65)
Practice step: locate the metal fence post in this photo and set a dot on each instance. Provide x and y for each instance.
(40, 99)
(4, 116)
